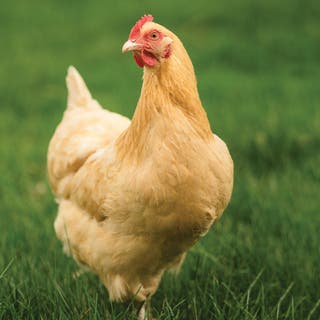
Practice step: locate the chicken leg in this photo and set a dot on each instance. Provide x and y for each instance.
(144, 310)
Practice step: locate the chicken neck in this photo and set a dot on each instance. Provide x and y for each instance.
(167, 89)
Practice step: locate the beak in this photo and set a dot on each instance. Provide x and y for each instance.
(131, 46)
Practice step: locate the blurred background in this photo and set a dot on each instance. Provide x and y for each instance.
(258, 69)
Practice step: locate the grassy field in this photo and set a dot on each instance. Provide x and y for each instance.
(258, 68)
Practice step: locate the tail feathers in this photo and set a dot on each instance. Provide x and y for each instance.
(78, 93)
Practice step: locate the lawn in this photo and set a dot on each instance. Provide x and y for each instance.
(258, 69)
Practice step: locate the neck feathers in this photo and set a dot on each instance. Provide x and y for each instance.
(169, 86)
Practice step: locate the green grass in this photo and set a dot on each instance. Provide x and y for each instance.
(258, 68)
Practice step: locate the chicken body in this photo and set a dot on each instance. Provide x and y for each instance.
(134, 197)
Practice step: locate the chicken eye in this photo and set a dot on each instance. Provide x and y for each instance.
(154, 35)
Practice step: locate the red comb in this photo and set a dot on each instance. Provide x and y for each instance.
(135, 31)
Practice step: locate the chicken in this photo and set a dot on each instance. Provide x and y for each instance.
(135, 196)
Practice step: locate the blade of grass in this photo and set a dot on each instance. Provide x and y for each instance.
(282, 298)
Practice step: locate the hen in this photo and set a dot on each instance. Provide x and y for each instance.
(135, 196)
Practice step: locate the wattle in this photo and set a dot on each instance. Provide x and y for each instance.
(148, 58)
(145, 58)
(138, 59)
